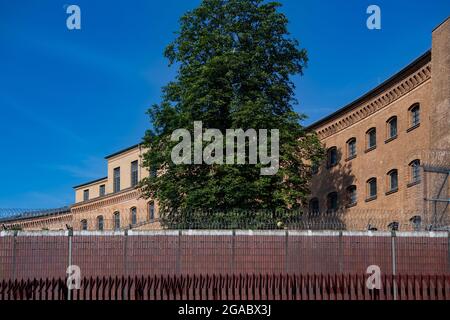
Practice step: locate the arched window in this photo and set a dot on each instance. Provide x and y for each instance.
(372, 188)
(133, 215)
(371, 138)
(100, 225)
(332, 157)
(151, 211)
(314, 206)
(414, 168)
(153, 172)
(352, 195)
(393, 180)
(351, 148)
(392, 128)
(84, 225)
(414, 114)
(315, 168)
(117, 220)
(332, 202)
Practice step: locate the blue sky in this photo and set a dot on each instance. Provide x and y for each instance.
(68, 98)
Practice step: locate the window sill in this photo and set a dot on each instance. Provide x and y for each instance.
(370, 149)
(391, 139)
(414, 183)
(392, 192)
(413, 128)
(371, 199)
(351, 158)
(351, 205)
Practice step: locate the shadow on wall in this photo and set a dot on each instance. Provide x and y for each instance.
(333, 187)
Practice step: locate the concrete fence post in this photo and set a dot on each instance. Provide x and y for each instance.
(70, 236)
(125, 253)
(448, 251)
(125, 262)
(341, 252)
(286, 252)
(178, 263)
(14, 263)
(233, 252)
(394, 262)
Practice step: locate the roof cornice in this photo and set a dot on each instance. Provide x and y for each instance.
(399, 76)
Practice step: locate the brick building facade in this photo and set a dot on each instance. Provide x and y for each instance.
(388, 151)
(379, 146)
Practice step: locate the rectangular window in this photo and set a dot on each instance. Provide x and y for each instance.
(134, 173)
(86, 195)
(415, 116)
(133, 216)
(102, 190)
(393, 128)
(116, 180)
(352, 148)
(352, 195)
(151, 211)
(100, 223)
(394, 181)
(116, 221)
(372, 188)
(372, 139)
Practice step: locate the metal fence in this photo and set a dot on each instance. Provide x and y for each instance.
(30, 255)
(232, 287)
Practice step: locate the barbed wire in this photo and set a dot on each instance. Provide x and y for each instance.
(345, 219)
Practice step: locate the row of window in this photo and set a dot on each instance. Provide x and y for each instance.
(116, 218)
(371, 189)
(371, 137)
(116, 181)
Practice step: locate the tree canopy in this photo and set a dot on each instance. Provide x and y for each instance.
(235, 61)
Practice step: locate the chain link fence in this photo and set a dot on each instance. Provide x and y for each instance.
(352, 219)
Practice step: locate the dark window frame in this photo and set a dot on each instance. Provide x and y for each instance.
(86, 195)
(116, 180)
(133, 215)
(134, 174)
(102, 190)
(332, 202)
(332, 161)
(151, 210)
(314, 206)
(100, 223)
(392, 127)
(116, 217)
(414, 115)
(371, 138)
(372, 185)
(84, 225)
(393, 180)
(352, 150)
(415, 172)
(352, 195)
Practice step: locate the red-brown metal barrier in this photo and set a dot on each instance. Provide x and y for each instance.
(233, 287)
(47, 255)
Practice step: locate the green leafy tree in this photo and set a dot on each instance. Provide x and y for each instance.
(235, 61)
